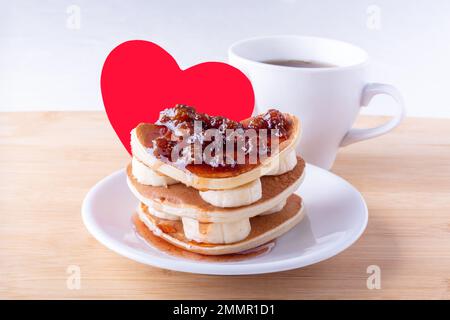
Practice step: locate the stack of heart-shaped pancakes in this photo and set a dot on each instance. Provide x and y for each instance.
(219, 210)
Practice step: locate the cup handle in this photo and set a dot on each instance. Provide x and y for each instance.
(369, 91)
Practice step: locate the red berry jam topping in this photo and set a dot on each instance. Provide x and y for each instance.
(178, 123)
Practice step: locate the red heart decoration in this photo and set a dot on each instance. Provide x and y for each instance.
(139, 79)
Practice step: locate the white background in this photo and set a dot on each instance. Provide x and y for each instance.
(51, 52)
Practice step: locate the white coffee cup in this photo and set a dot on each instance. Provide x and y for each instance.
(327, 100)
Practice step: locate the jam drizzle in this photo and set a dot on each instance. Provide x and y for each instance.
(177, 124)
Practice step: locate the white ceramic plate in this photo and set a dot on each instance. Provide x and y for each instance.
(336, 215)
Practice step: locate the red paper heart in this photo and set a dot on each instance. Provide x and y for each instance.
(139, 79)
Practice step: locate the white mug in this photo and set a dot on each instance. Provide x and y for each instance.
(327, 100)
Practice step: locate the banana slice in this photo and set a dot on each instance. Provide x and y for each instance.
(216, 232)
(240, 196)
(285, 163)
(157, 213)
(277, 208)
(148, 176)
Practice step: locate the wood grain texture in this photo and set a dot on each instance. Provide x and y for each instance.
(48, 161)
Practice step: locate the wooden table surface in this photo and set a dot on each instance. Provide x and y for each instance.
(49, 160)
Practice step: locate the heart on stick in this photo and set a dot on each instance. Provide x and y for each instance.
(139, 79)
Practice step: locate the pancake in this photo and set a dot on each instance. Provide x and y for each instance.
(210, 179)
(263, 229)
(179, 199)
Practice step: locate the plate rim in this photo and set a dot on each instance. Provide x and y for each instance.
(228, 268)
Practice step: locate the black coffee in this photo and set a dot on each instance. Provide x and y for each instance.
(299, 63)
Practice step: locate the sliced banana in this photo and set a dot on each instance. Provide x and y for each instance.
(217, 233)
(286, 163)
(148, 176)
(277, 208)
(240, 196)
(157, 213)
